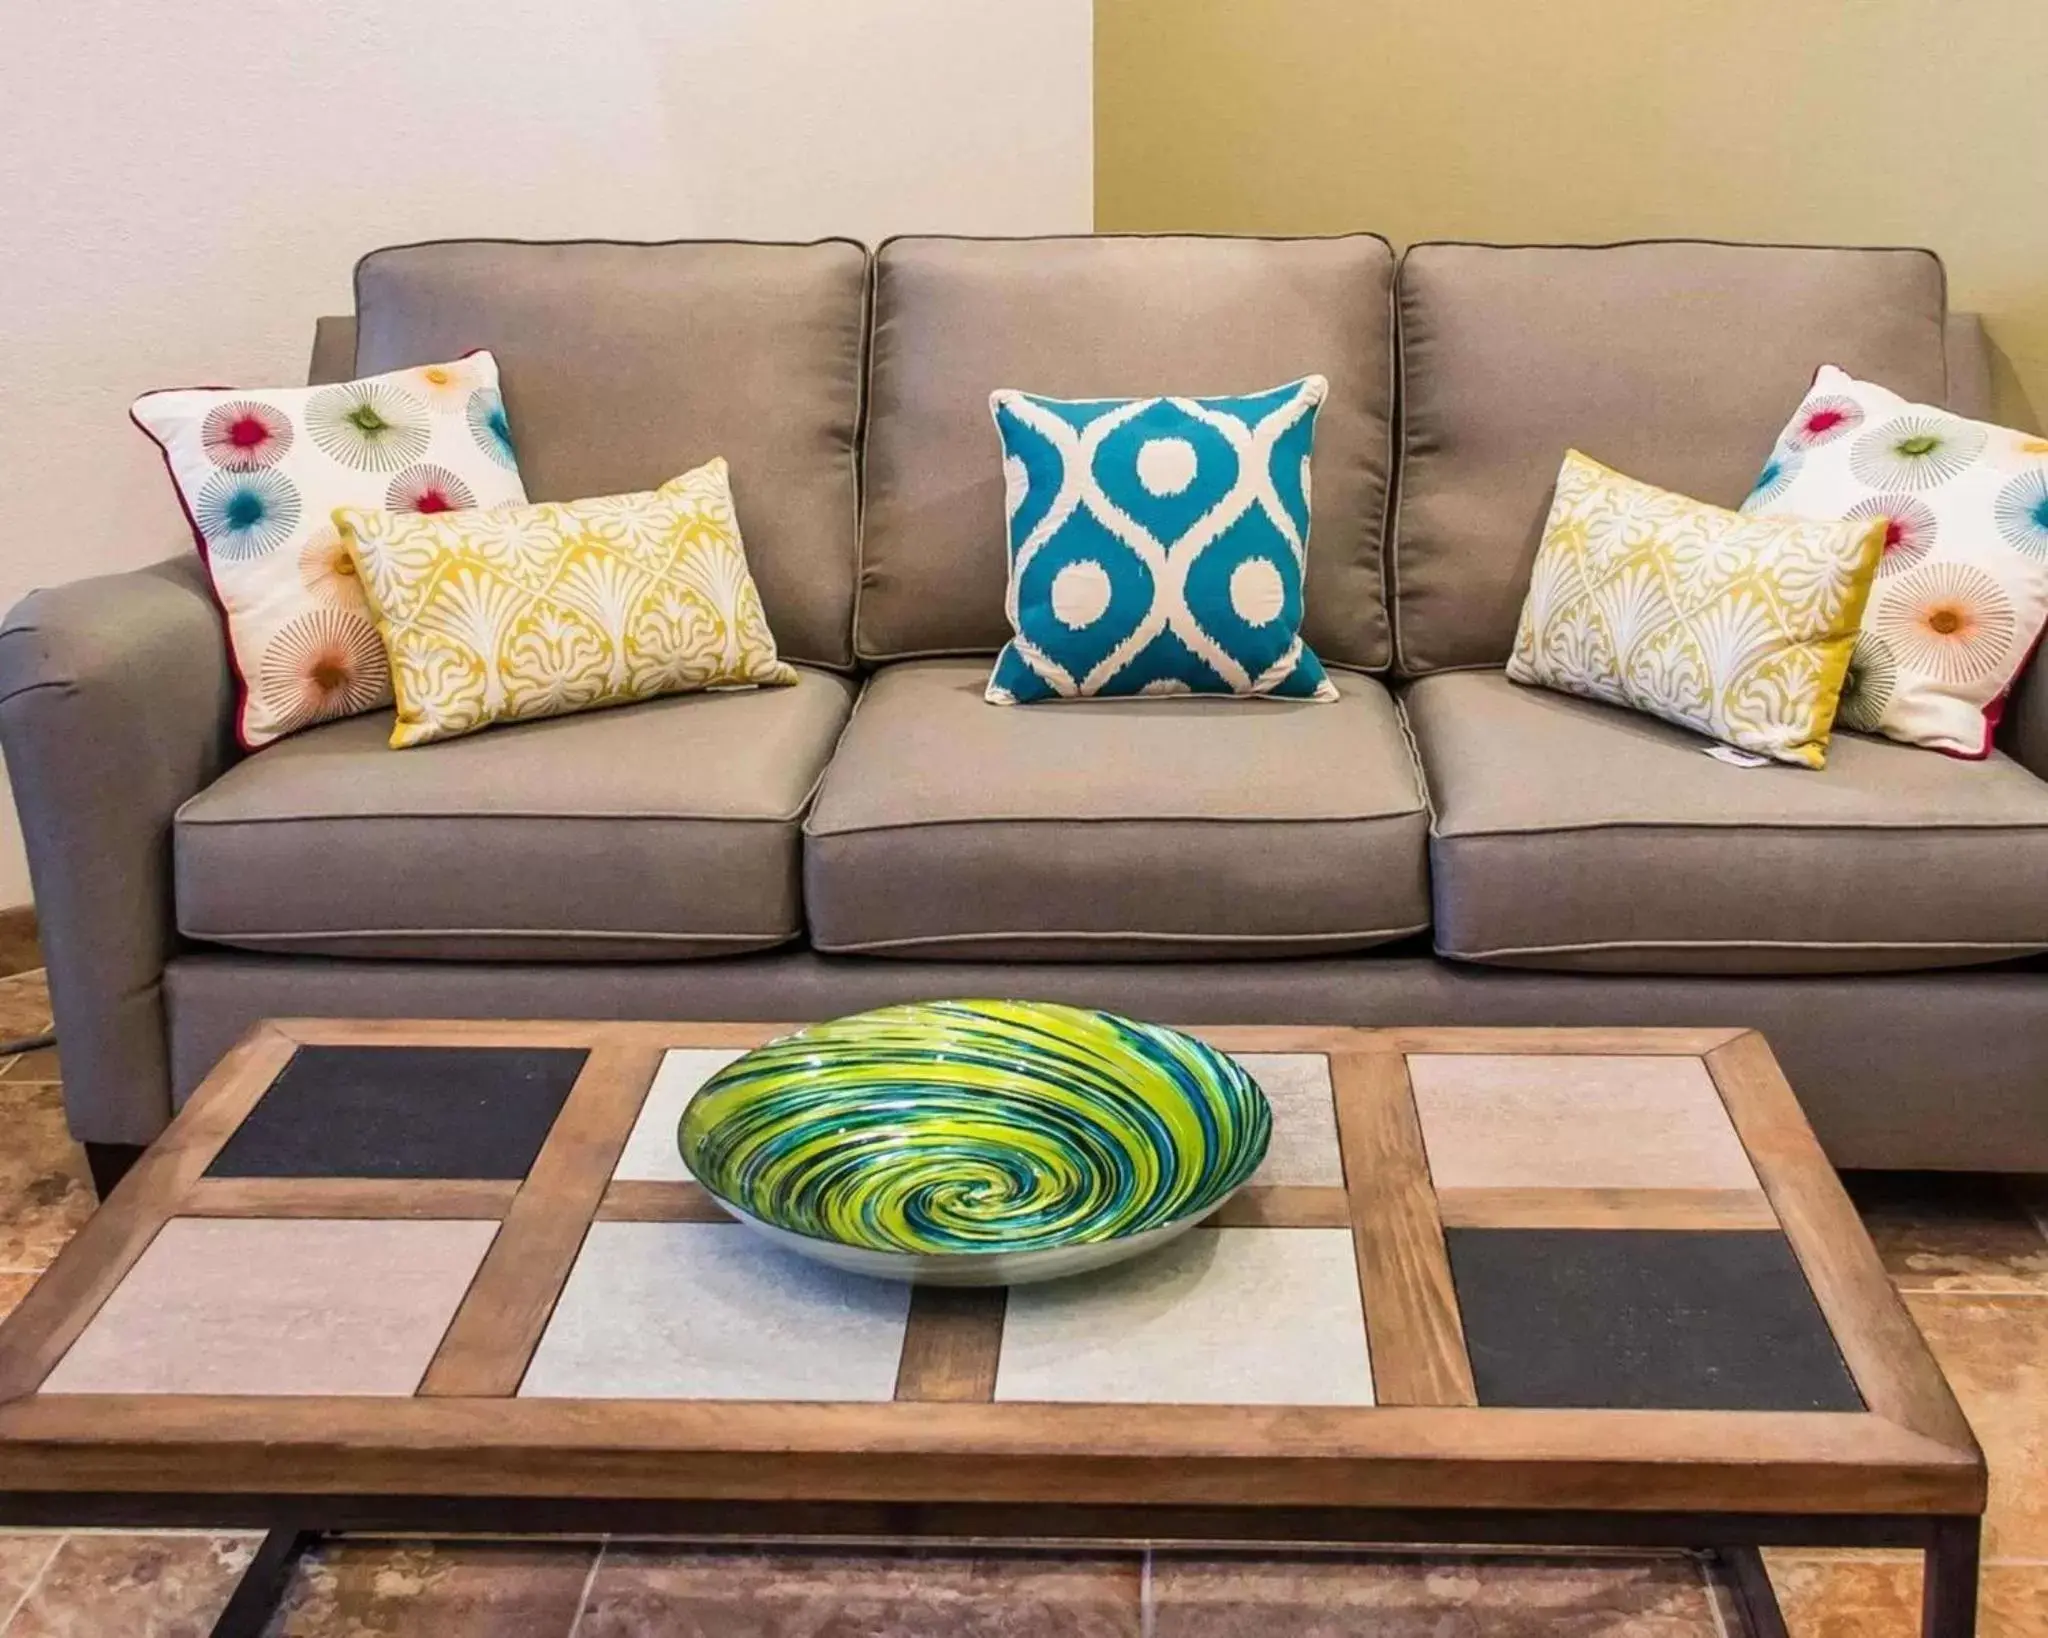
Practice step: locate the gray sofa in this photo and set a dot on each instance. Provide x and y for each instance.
(1438, 846)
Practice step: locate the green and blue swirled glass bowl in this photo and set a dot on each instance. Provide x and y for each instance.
(976, 1142)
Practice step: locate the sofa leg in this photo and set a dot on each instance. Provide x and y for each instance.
(109, 1163)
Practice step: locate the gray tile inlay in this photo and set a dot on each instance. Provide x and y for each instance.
(1304, 1148)
(1220, 1316)
(650, 1155)
(712, 1311)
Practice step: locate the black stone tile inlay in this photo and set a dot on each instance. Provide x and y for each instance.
(399, 1111)
(1644, 1319)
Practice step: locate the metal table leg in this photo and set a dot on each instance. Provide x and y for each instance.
(255, 1598)
(1753, 1591)
(1948, 1603)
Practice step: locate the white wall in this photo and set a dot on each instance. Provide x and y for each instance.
(183, 188)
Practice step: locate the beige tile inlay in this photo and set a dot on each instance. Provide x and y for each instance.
(685, 1592)
(310, 1306)
(1575, 1122)
(1304, 1147)
(1439, 1596)
(1221, 1316)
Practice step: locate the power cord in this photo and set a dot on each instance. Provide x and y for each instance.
(28, 1043)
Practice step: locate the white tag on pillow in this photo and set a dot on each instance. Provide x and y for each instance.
(1734, 758)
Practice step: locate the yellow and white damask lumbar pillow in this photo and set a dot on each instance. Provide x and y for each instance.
(538, 611)
(1737, 627)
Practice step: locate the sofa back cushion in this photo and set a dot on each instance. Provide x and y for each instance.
(1675, 361)
(1110, 317)
(624, 364)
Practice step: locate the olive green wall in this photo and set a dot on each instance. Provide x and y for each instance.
(1837, 121)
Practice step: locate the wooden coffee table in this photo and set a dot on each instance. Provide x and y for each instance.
(1585, 1287)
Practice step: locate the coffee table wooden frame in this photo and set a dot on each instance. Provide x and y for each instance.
(1425, 1465)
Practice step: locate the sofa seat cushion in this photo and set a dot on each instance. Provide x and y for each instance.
(1576, 835)
(1147, 829)
(651, 832)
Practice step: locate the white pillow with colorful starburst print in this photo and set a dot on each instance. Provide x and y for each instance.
(1961, 595)
(260, 474)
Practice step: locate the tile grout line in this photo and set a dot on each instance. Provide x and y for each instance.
(180, 1532)
(582, 1599)
(1891, 1555)
(35, 1583)
(1978, 1292)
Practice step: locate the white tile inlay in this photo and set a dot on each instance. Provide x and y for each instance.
(650, 1154)
(712, 1311)
(1221, 1316)
(1304, 1147)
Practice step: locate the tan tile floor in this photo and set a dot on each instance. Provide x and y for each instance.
(1971, 1254)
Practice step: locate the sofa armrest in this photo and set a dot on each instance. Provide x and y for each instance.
(116, 704)
(1969, 366)
(2023, 731)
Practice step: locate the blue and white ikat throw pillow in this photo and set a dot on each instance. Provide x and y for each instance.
(1157, 545)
